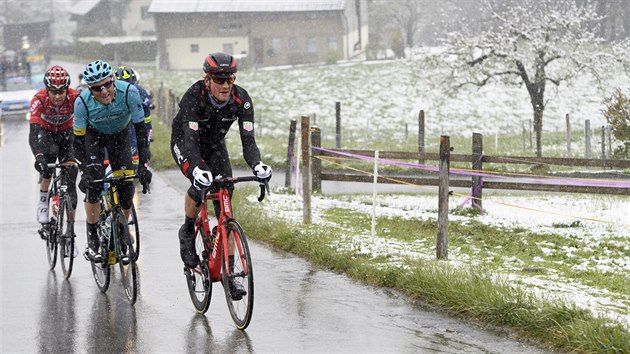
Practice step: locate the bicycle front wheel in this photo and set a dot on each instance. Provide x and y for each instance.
(198, 279)
(65, 236)
(101, 270)
(51, 245)
(134, 232)
(241, 277)
(127, 263)
(51, 234)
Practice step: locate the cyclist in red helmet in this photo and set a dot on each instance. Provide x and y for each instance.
(51, 136)
(206, 112)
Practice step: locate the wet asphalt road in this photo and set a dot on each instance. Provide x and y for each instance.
(298, 307)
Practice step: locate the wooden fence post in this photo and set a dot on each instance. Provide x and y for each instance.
(441, 248)
(338, 124)
(160, 104)
(290, 153)
(587, 139)
(316, 141)
(603, 143)
(477, 165)
(421, 135)
(306, 170)
(568, 134)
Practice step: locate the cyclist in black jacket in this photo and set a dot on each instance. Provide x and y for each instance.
(206, 112)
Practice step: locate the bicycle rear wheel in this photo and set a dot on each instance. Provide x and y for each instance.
(128, 269)
(66, 239)
(198, 279)
(134, 232)
(241, 306)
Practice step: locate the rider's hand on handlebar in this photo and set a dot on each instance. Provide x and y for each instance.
(40, 163)
(262, 171)
(84, 182)
(202, 178)
(144, 176)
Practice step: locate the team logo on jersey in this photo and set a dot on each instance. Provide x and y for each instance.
(193, 125)
(247, 105)
(248, 126)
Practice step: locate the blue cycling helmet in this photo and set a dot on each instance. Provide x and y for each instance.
(96, 71)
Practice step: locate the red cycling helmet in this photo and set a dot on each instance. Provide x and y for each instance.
(56, 78)
(220, 65)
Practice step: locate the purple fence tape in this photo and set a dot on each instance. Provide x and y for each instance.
(555, 181)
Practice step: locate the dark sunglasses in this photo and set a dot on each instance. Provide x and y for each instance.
(222, 80)
(100, 87)
(57, 92)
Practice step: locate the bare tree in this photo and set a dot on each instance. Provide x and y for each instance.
(530, 43)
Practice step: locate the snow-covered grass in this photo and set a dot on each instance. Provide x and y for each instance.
(582, 262)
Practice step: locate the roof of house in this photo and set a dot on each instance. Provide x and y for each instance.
(181, 6)
(82, 7)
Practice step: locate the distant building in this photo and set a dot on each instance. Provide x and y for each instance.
(259, 32)
(125, 29)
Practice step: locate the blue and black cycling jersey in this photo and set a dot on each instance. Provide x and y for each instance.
(112, 118)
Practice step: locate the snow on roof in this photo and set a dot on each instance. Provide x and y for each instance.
(167, 6)
(82, 7)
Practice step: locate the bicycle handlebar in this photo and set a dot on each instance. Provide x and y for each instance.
(67, 164)
(224, 182)
(114, 180)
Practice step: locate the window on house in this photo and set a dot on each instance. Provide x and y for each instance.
(194, 48)
(333, 44)
(311, 45)
(294, 44)
(276, 44)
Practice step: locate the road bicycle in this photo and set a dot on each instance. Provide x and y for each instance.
(214, 247)
(133, 218)
(59, 232)
(116, 239)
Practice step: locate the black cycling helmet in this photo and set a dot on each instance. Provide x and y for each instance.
(219, 65)
(126, 73)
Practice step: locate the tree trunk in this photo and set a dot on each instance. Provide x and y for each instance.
(538, 115)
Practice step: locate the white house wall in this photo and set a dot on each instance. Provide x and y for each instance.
(181, 57)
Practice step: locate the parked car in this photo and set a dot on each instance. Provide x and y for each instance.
(16, 95)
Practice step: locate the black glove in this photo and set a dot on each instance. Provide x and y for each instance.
(40, 163)
(84, 183)
(144, 176)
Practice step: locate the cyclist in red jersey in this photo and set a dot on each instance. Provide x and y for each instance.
(51, 136)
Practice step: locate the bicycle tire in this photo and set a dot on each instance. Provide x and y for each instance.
(134, 232)
(128, 271)
(240, 309)
(63, 226)
(198, 279)
(51, 235)
(101, 270)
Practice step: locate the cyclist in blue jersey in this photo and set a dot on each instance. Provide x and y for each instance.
(126, 73)
(103, 115)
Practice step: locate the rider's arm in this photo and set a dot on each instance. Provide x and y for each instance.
(251, 153)
(187, 117)
(80, 128)
(137, 117)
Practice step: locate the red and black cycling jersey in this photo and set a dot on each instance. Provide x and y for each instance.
(199, 122)
(50, 117)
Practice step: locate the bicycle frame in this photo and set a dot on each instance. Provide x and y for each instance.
(220, 245)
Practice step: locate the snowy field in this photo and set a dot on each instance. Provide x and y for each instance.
(610, 223)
